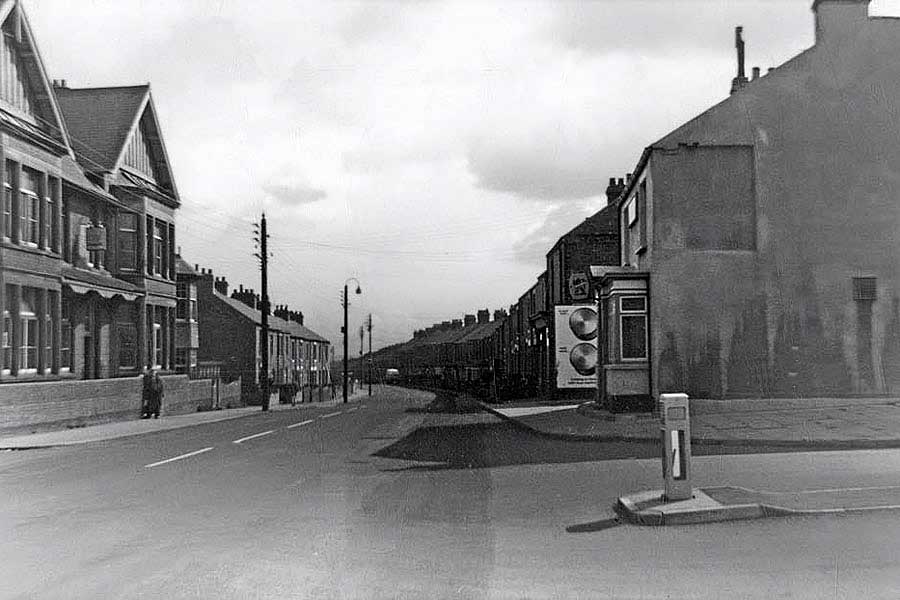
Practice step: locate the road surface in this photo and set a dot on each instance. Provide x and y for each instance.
(381, 501)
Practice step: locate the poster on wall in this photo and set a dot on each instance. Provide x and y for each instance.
(576, 346)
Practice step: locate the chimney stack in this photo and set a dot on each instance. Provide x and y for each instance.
(839, 18)
(614, 190)
(468, 320)
(484, 316)
(221, 285)
(755, 73)
(741, 80)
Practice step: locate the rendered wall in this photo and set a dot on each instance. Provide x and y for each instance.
(825, 132)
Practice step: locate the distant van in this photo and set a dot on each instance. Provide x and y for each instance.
(392, 374)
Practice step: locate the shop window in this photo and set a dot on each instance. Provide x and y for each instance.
(126, 256)
(128, 355)
(633, 327)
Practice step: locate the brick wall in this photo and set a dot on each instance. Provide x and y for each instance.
(77, 402)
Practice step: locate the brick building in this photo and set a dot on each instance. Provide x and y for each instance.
(86, 257)
(230, 329)
(87, 238)
(187, 317)
(766, 229)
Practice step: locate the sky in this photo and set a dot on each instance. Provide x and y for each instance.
(434, 151)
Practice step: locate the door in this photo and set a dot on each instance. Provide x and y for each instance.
(90, 366)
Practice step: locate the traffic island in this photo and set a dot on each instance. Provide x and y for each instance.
(734, 503)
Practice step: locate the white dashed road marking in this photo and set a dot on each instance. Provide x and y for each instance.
(300, 424)
(329, 415)
(255, 435)
(168, 460)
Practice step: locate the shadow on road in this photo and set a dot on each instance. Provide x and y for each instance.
(501, 444)
(485, 445)
(594, 526)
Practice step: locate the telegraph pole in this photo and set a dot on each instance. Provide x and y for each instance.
(371, 373)
(344, 301)
(264, 309)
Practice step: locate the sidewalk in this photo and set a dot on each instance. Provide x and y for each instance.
(119, 429)
(809, 422)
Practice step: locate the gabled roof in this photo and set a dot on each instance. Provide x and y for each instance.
(47, 109)
(604, 221)
(102, 123)
(99, 120)
(275, 324)
(182, 267)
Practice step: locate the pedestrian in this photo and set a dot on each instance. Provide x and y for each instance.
(156, 395)
(146, 392)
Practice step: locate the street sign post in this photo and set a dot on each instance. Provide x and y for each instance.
(676, 442)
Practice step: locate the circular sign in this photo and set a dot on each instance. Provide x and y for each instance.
(583, 323)
(584, 358)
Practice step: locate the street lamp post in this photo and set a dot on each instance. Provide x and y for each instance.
(346, 302)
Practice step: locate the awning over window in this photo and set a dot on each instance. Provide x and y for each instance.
(80, 288)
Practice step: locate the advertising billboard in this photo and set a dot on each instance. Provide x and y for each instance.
(577, 328)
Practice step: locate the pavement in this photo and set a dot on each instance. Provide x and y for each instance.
(811, 423)
(120, 429)
(805, 422)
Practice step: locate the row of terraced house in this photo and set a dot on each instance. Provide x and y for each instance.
(752, 253)
(92, 289)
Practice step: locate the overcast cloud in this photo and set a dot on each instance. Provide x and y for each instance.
(433, 150)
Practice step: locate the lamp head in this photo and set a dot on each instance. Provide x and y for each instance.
(358, 290)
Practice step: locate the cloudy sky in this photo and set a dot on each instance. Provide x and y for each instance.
(433, 150)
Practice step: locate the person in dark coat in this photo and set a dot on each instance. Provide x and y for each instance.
(156, 395)
(146, 391)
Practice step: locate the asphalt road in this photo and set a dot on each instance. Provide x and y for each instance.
(381, 502)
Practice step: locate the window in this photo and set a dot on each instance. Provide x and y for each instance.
(158, 337)
(181, 360)
(183, 307)
(29, 208)
(158, 248)
(128, 356)
(865, 289)
(47, 219)
(52, 217)
(28, 322)
(6, 335)
(126, 254)
(48, 332)
(631, 215)
(65, 342)
(633, 325)
(8, 183)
